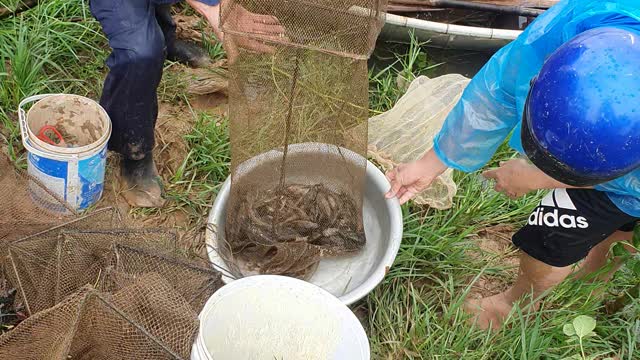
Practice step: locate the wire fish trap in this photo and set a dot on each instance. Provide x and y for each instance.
(106, 294)
(26, 205)
(47, 268)
(146, 319)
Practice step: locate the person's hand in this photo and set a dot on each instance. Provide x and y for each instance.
(244, 21)
(516, 178)
(408, 180)
(211, 13)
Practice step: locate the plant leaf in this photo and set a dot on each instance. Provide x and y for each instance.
(634, 266)
(569, 330)
(620, 251)
(583, 325)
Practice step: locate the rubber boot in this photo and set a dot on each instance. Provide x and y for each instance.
(188, 53)
(143, 186)
(182, 51)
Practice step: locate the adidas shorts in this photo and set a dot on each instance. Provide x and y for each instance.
(568, 223)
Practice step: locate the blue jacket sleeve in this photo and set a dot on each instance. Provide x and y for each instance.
(210, 2)
(482, 118)
(491, 105)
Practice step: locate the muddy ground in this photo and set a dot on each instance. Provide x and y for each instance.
(495, 247)
(175, 121)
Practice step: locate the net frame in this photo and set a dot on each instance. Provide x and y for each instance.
(91, 324)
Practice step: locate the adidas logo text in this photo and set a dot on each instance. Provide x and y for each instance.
(551, 219)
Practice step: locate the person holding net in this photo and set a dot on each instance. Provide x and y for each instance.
(566, 88)
(142, 34)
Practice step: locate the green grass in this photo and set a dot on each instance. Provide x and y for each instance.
(415, 313)
(387, 83)
(193, 186)
(39, 53)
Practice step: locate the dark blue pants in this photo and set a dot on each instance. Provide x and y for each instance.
(139, 32)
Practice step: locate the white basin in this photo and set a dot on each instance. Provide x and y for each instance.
(350, 278)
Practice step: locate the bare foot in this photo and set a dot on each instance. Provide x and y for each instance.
(488, 312)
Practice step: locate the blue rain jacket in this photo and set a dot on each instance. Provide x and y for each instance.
(492, 105)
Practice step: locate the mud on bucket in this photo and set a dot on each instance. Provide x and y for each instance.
(66, 138)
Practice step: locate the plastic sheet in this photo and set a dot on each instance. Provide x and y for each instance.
(406, 132)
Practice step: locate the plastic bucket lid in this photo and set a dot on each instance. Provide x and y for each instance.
(277, 317)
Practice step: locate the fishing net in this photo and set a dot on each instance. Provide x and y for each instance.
(298, 152)
(404, 133)
(26, 206)
(146, 319)
(93, 288)
(50, 266)
(346, 28)
(106, 294)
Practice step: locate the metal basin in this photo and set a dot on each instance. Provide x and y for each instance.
(350, 278)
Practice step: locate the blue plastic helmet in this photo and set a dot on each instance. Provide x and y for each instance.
(581, 121)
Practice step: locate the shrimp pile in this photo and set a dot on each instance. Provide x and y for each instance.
(287, 230)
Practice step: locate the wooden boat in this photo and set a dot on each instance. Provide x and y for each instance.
(469, 25)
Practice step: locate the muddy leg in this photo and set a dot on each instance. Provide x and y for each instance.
(534, 279)
(598, 256)
(130, 92)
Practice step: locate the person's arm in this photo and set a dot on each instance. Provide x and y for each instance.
(518, 177)
(483, 117)
(480, 121)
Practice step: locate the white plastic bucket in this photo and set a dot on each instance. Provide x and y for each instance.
(74, 174)
(267, 317)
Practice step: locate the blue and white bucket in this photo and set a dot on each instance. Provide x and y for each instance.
(74, 173)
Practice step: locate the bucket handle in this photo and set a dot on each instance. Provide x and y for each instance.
(22, 119)
(22, 115)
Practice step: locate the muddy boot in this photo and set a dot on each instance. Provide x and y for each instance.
(188, 53)
(142, 185)
(181, 51)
